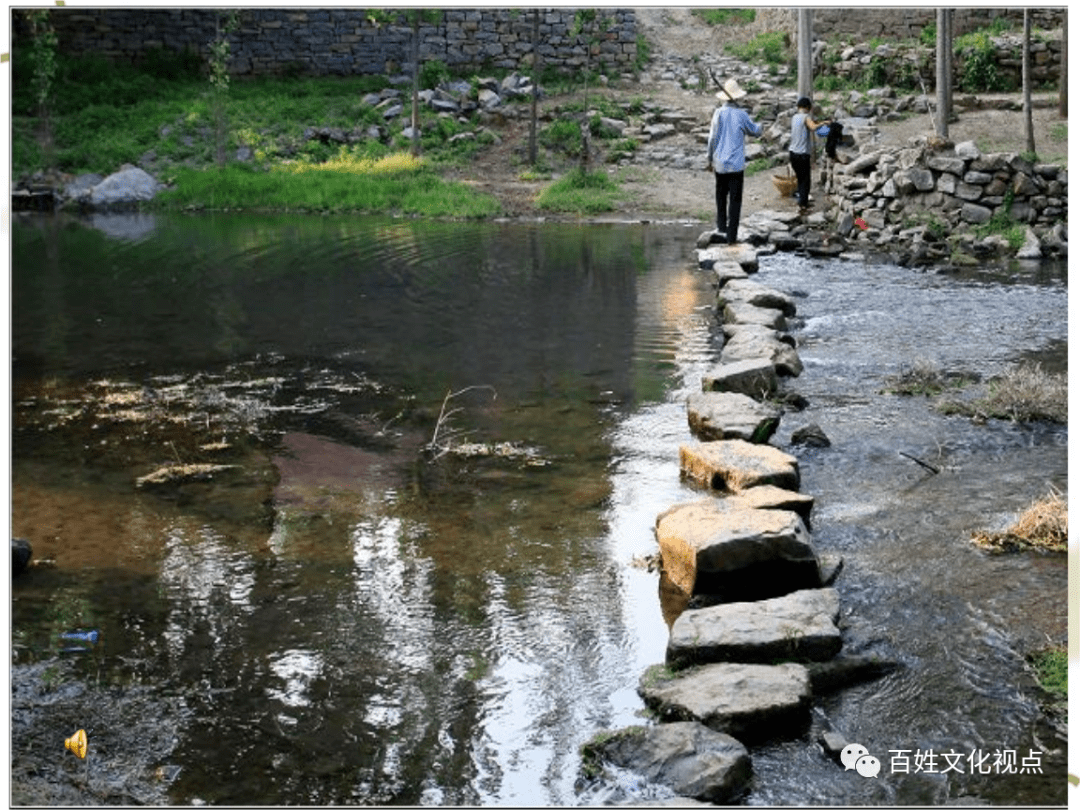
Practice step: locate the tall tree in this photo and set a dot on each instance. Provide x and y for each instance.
(1025, 78)
(535, 84)
(942, 83)
(805, 53)
(583, 21)
(1063, 82)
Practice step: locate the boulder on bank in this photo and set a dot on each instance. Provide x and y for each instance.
(712, 546)
(799, 625)
(736, 465)
(688, 758)
(748, 701)
(123, 189)
(713, 415)
(755, 378)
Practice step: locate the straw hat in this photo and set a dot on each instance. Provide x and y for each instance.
(731, 91)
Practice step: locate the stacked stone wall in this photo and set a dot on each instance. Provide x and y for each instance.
(892, 24)
(344, 42)
(959, 184)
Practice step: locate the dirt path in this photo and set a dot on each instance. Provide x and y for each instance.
(655, 193)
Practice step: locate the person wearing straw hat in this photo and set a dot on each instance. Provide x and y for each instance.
(800, 149)
(727, 159)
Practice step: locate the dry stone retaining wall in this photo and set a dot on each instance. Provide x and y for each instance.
(958, 184)
(343, 41)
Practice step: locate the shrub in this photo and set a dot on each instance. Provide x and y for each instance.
(563, 135)
(433, 73)
(978, 72)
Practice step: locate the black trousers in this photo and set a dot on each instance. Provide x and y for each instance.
(800, 164)
(729, 187)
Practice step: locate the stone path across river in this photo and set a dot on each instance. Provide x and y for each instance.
(747, 664)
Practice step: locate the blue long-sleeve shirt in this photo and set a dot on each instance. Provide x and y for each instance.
(729, 125)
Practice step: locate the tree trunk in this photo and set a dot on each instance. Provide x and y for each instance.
(1063, 88)
(948, 63)
(1029, 128)
(416, 85)
(805, 52)
(941, 68)
(535, 85)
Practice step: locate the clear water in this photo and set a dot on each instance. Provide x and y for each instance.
(348, 621)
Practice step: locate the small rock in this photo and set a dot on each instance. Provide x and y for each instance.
(810, 435)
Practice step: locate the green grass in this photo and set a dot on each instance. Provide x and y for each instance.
(725, 16)
(581, 192)
(770, 48)
(1052, 669)
(240, 187)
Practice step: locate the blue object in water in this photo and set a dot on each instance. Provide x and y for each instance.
(90, 636)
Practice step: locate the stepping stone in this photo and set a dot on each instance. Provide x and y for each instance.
(757, 343)
(689, 758)
(750, 702)
(767, 496)
(800, 625)
(736, 465)
(755, 378)
(727, 271)
(751, 292)
(715, 547)
(714, 415)
(740, 312)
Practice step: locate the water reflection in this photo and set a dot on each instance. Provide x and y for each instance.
(352, 623)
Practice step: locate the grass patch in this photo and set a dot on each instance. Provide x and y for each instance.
(725, 16)
(1025, 393)
(396, 183)
(592, 751)
(1052, 669)
(770, 48)
(580, 192)
(1043, 526)
(924, 378)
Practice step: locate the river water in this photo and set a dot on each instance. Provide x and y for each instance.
(337, 616)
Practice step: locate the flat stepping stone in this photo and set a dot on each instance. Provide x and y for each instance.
(736, 465)
(800, 625)
(767, 496)
(743, 313)
(691, 759)
(756, 378)
(726, 271)
(721, 415)
(748, 701)
(714, 546)
(752, 292)
(755, 342)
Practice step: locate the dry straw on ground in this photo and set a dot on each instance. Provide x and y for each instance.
(1044, 526)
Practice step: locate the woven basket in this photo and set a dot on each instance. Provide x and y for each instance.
(785, 184)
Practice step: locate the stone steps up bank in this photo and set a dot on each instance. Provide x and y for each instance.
(756, 634)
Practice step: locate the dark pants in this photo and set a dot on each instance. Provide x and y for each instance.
(800, 164)
(729, 204)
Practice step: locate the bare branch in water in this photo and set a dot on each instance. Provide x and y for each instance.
(441, 445)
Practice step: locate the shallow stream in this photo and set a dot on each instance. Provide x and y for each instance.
(338, 616)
